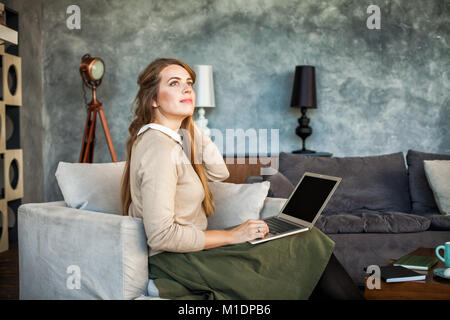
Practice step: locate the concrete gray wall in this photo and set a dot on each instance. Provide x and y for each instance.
(379, 91)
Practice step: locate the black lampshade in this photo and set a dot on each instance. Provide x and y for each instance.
(304, 91)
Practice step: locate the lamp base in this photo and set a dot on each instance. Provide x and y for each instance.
(303, 131)
(202, 122)
(303, 151)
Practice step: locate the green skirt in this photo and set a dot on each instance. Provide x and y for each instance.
(286, 268)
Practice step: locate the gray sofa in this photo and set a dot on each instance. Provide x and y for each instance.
(378, 213)
(382, 209)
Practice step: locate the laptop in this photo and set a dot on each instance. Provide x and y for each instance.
(303, 207)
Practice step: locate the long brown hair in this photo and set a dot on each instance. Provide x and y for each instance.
(148, 82)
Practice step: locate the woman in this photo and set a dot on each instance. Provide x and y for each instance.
(165, 183)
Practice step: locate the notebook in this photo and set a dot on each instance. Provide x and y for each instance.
(416, 262)
(399, 274)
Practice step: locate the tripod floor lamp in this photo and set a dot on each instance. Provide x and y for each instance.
(92, 71)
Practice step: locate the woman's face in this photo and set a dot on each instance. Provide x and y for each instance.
(176, 97)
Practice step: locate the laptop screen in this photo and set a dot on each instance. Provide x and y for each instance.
(309, 197)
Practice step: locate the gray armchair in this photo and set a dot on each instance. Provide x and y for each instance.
(67, 253)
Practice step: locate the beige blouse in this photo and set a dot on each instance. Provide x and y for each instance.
(167, 193)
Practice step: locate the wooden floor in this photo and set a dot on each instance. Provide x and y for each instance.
(9, 274)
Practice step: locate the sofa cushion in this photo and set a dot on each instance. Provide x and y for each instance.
(280, 186)
(377, 183)
(421, 194)
(372, 222)
(439, 221)
(438, 177)
(236, 203)
(91, 186)
(340, 223)
(359, 221)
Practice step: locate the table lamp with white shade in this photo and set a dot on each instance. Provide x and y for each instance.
(204, 89)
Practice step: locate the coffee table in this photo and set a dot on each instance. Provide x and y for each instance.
(432, 288)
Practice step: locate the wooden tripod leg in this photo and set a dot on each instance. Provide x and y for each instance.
(86, 130)
(91, 149)
(90, 140)
(107, 134)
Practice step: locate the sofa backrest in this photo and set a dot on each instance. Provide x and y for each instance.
(422, 197)
(375, 182)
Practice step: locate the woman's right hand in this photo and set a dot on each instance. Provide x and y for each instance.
(249, 230)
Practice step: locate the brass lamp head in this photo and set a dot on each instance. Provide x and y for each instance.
(92, 70)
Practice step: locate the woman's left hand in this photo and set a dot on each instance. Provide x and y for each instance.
(249, 230)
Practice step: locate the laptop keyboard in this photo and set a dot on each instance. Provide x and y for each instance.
(277, 226)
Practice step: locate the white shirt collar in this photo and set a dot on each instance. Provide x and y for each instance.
(174, 135)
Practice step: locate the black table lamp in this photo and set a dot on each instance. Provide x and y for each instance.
(304, 97)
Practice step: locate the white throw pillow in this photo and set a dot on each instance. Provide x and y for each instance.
(91, 186)
(236, 203)
(438, 176)
(272, 206)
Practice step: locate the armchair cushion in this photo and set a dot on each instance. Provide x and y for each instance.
(236, 203)
(272, 206)
(91, 186)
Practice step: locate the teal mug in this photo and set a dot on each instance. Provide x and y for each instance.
(446, 257)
